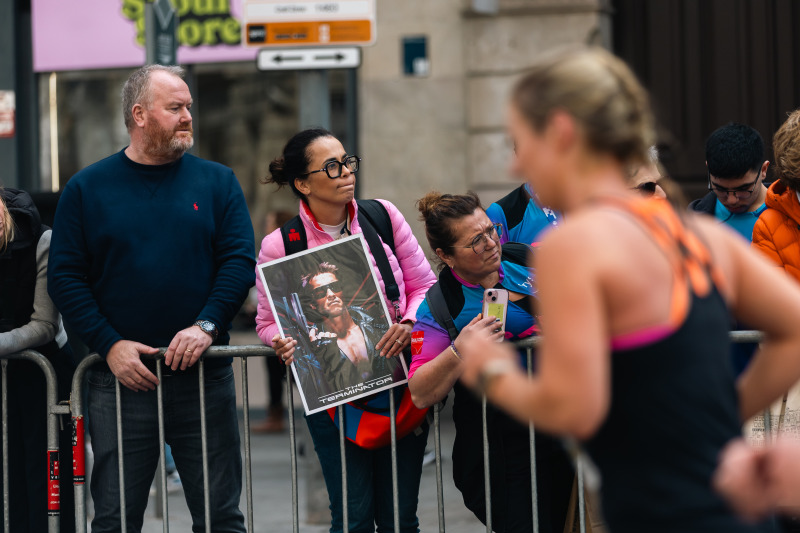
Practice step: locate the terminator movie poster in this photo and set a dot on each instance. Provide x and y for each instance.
(328, 300)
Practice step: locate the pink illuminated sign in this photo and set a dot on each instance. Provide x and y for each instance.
(97, 34)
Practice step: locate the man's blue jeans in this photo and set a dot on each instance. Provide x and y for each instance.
(182, 432)
(369, 478)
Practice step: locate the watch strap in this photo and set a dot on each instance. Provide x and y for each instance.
(209, 327)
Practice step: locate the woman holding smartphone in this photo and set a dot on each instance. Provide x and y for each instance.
(471, 260)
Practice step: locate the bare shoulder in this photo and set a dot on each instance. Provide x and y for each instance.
(588, 240)
(730, 253)
(595, 228)
(722, 241)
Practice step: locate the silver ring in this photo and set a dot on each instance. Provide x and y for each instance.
(283, 358)
(188, 351)
(398, 341)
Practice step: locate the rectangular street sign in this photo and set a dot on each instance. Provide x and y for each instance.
(308, 22)
(308, 58)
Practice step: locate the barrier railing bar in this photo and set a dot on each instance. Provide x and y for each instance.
(437, 444)
(767, 426)
(486, 472)
(248, 474)
(162, 505)
(6, 506)
(581, 498)
(245, 351)
(293, 454)
(201, 376)
(532, 451)
(345, 518)
(393, 426)
(123, 518)
(53, 487)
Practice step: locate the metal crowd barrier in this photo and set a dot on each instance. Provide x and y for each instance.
(244, 352)
(53, 410)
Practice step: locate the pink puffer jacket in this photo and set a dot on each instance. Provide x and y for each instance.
(410, 267)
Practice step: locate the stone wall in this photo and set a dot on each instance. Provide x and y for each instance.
(446, 131)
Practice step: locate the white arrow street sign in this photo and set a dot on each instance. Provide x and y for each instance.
(308, 58)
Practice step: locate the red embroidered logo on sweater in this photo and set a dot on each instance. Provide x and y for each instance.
(195, 207)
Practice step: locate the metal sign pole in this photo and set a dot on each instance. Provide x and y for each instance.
(161, 36)
(315, 100)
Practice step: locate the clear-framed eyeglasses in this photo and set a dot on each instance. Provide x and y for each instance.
(480, 242)
(334, 168)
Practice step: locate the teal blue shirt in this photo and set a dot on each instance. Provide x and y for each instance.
(742, 222)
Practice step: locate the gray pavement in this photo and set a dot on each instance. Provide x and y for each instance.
(271, 476)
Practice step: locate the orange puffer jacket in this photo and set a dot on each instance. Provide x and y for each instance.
(777, 230)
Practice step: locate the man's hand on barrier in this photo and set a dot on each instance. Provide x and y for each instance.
(123, 360)
(186, 347)
(395, 340)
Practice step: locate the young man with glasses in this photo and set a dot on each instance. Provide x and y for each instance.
(736, 171)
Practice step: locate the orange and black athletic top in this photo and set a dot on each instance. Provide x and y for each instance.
(673, 401)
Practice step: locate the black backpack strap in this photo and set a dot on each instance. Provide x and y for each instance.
(376, 248)
(440, 311)
(516, 252)
(378, 216)
(514, 205)
(294, 236)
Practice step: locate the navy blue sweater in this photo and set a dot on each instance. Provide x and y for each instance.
(140, 252)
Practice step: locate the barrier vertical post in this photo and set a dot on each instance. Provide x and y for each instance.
(6, 506)
(204, 438)
(247, 463)
(79, 442)
(437, 444)
(162, 483)
(343, 455)
(395, 496)
(581, 498)
(123, 512)
(532, 436)
(486, 467)
(293, 455)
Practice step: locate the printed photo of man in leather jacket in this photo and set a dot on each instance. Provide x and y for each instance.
(344, 336)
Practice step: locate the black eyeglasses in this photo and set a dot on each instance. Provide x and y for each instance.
(334, 168)
(742, 193)
(321, 292)
(480, 242)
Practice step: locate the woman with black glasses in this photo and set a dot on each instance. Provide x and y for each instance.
(323, 175)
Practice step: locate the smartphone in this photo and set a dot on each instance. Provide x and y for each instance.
(495, 303)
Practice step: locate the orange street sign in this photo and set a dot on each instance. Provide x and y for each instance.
(308, 22)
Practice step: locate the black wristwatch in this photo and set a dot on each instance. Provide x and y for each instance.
(209, 327)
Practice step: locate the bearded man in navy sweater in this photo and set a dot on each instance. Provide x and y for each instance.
(154, 247)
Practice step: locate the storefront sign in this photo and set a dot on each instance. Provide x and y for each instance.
(95, 34)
